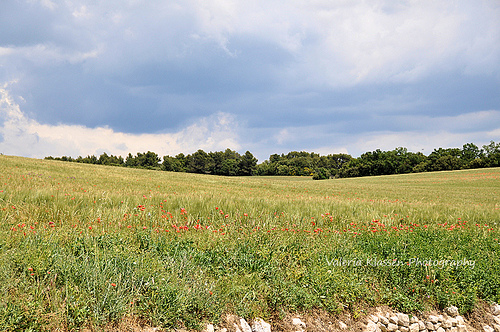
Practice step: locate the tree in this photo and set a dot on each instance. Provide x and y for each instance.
(198, 162)
(321, 174)
(247, 164)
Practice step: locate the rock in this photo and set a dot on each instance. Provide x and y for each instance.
(244, 326)
(496, 327)
(446, 324)
(392, 327)
(453, 329)
(451, 311)
(342, 325)
(371, 327)
(440, 318)
(414, 327)
(495, 309)
(461, 328)
(487, 328)
(496, 319)
(421, 325)
(209, 328)
(393, 320)
(384, 320)
(299, 323)
(403, 319)
(382, 327)
(223, 330)
(440, 329)
(453, 321)
(259, 325)
(404, 329)
(460, 320)
(433, 319)
(430, 326)
(413, 319)
(373, 318)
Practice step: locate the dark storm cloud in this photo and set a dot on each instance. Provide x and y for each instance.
(290, 76)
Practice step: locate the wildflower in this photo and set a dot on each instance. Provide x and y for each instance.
(113, 284)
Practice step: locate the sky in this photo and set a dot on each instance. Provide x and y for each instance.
(84, 77)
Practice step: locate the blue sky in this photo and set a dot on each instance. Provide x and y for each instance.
(86, 77)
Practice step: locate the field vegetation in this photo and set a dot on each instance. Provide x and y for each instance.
(89, 245)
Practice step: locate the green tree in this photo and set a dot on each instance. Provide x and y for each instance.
(247, 164)
(198, 162)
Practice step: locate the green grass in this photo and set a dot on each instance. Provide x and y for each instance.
(86, 246)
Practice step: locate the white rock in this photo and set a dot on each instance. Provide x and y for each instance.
(223, 329)
(460, 320)
(453, 329)
(452, 311)
(461, 328)
(414, 327)
(487, 328)
(404, 329)
(393, 320)
(495, 309)
(413, 319)
(373, 318)
(392, 327)
(244, 326)
(453, 321)
(403, 319)
(496, 319)
(299, 323)
(440, 329)
(209, 328)
(382, 327)
(384, 320)
(496, 327)
(433, 319)
(447, 324)
(430, 326)
(371, 327)
(342, 325)
(440, 318)
(259, 325)
(421, 325)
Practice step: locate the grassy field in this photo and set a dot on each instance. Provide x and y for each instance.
(85, 245)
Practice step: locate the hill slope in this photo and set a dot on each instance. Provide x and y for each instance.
(89, 245)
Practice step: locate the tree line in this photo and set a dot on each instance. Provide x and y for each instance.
(227, 162)
(231, 163)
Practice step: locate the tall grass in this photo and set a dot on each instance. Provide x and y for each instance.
(85, 245)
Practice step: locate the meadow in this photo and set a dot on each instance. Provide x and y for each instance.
(88, 246)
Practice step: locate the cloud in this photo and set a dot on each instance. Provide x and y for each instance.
(321, 69)
(19, 133)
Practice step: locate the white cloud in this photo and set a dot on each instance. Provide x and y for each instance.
(425, 135)
(332, 43)
(20, 135)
